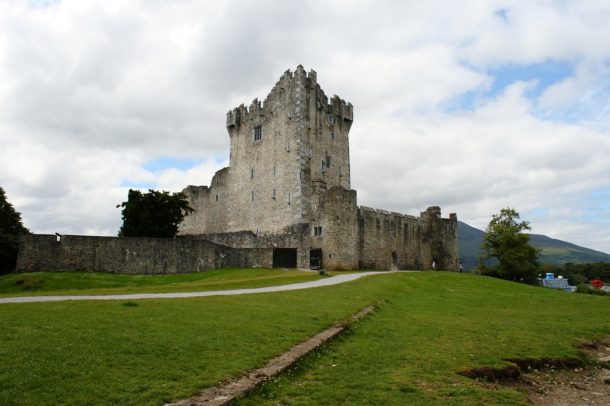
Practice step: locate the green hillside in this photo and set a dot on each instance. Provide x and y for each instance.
(427, 327)
(552, 251)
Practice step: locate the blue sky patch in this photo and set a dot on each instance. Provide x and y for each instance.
(465, 101)
(502, 14)
(598, 203)
(138, 184)
(540, 212)
(168, 162)
(544, 74)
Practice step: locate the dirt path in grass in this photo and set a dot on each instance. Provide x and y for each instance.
(334, 280)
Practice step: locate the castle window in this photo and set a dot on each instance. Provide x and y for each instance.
(327, 161)
(288, 199)
(332, 135)
(323, 165)
(274, 170)
(340, 172)
(216, 197)
(274, 193)
(331, 119)
(252, 173)
(317, 231)
(258, 132)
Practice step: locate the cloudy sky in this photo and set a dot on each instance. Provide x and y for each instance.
(470, 105)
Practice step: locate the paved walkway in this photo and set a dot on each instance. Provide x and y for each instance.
(174, 295)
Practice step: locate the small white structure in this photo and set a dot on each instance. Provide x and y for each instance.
(549, 281)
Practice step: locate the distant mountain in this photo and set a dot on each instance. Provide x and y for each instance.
(552, 251)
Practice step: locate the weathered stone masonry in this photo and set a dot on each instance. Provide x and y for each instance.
(40, 252)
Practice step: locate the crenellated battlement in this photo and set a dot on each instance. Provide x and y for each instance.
(290, 90)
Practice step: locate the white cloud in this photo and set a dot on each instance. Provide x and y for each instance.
(91, 91)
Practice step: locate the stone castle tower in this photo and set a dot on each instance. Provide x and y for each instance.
(288, 187)
(283, 151)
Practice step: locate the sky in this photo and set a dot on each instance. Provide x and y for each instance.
(471, 105)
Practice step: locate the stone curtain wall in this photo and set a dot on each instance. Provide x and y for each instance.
(391, 240)
(39, 252)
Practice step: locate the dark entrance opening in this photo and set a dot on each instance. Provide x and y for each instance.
(394, 263)
(284, 257)
(315, 258)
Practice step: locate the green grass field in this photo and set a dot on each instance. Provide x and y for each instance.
(88, 283)
(426, 328)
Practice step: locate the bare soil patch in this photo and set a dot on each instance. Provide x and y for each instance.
(589, 385)
(555, 382)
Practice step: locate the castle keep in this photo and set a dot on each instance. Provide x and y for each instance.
(284, 201)
(287, 188)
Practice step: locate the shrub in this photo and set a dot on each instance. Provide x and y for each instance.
(30, 283)
(584, 288)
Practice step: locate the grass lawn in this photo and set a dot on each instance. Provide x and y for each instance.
(88, 283)
(427, 327)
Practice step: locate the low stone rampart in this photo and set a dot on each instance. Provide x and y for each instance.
(40, 252)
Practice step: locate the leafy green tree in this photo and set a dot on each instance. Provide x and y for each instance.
(153, 214)
(506, 242)
(10, 230)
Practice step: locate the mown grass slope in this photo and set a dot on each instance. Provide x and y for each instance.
(431, 326)
(427, 327)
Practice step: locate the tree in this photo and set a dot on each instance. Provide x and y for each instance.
(10, 230)
(505, 241)
(153, 214)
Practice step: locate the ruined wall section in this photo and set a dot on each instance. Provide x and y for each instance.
(441, 237)
(390, 240)
(210, 205)
(39, 252)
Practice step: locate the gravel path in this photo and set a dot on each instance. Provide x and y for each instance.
(174, 295)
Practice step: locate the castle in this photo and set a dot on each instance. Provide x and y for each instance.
(287, 187)
(284, 201)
